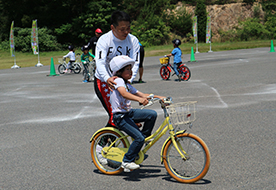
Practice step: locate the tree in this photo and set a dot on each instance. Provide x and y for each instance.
(201, 14)
(249, 2)
(180, 22)
(82, 27)
(148, 25)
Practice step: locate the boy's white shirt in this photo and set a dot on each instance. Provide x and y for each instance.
(108, 46)
(71, 56)
(118, 102)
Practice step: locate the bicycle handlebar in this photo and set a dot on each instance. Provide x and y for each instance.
(164, 102)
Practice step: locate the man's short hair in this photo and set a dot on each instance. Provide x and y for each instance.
(118, 16)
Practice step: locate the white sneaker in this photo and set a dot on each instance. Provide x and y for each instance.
(101, 159)
(128, 166)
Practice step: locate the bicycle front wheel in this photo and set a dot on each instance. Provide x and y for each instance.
(101, 140)
(185, 73)
(165, 72)
(61, 69)
(197, 160)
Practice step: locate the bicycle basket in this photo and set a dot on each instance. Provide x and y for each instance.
(60, 60)
(164, 60)
(182, 113)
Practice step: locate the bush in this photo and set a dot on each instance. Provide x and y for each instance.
(228, 36)
(270, 25)
(22, 40)
(252, 29)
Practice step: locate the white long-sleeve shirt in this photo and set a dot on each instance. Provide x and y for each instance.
(71, 56)
(108, 46)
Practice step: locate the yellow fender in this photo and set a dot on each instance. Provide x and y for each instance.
(162, 150)
(110, 129)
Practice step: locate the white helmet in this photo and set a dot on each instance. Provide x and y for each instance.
(120, 62)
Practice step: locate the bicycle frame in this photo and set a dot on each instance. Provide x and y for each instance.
(163, 128)
(171, 68)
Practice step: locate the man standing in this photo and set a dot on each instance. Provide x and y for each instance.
(141, 68)
(116, 42)
(93, 41)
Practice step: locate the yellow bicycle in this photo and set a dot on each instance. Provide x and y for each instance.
(186, 156)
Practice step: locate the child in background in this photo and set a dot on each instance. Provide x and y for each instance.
(123, 115)
(85, 60)
(176, 52)
(71, 56)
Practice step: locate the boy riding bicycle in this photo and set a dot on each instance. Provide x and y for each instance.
(71, 56)
(124, 116)
(85, 61)
(176, 53)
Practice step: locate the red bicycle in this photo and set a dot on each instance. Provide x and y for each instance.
(167, 68)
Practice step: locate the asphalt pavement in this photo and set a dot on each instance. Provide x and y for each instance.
(47, 121)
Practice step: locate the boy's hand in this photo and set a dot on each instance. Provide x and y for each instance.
(143, 101)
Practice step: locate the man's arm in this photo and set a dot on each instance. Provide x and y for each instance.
(136, 57)
(101, 49)
(90, 43)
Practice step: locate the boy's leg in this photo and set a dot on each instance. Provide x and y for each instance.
(102, 91)
(126, 124)
(175, 65)
(147, 116)
(69, 65)
(85, 71)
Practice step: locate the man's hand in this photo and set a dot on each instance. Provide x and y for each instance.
(110, 82)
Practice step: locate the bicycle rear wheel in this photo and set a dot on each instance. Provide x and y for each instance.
(101, 140)
(165, 72)
(197, 163)
(185, 72)
(61, 69)
(92, 74)
(77, 69)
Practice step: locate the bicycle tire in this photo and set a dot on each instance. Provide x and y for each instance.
(92, 74)
(77, 69)
(101, 139)
(198, 158)
(185, 72)
(165, 72)
(61, 69)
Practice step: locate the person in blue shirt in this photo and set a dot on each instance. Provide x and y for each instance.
(176, 53)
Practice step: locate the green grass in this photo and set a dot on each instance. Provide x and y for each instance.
(203, 47)
(30, 60)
